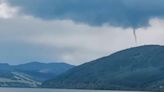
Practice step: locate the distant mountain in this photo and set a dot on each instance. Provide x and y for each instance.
(43, 71)
(5, 67)
(30, 74)
(139, 68)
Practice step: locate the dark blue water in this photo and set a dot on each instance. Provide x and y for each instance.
(52, 90)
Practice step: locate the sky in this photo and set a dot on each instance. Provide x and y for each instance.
(76, 31)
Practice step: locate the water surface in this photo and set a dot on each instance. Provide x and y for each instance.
(52, 90)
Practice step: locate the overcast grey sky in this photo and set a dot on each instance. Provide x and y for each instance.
(63, 31)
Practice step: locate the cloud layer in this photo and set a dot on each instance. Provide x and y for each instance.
(24, 40)
(124, 13)
(47, 30)
(6, 11)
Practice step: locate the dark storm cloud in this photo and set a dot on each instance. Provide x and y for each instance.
(124, 13)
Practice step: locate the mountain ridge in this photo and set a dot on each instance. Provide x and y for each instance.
(29, 74)
(138, 68)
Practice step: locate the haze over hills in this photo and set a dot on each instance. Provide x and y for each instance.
(30, 74)
(43, 71)
(139, 68)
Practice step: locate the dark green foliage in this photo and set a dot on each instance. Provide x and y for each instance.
(140, 68)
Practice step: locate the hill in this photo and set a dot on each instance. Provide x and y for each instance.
(139, 68)
(43, 71)
(30, 74)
